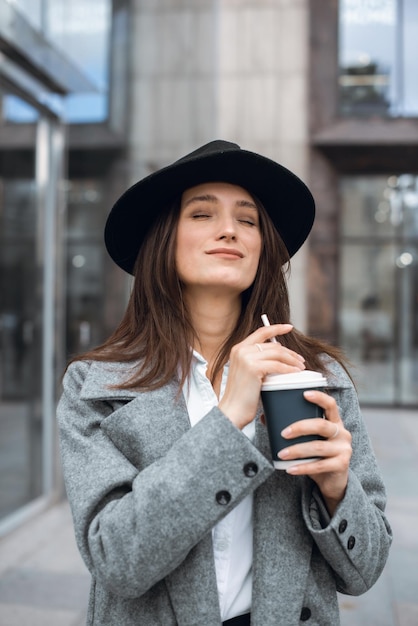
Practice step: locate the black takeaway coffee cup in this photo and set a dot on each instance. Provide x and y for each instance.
(283, 404)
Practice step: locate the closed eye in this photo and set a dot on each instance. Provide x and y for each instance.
(248, 221)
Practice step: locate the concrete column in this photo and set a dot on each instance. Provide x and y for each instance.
(230, 69)
(262, 94)
(174, 58)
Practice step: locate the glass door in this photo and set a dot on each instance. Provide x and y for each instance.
(379, 286)
(20, 346)
(29, 264)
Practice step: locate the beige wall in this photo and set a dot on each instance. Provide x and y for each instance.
(230, 69)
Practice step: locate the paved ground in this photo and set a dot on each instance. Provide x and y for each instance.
(43, 581)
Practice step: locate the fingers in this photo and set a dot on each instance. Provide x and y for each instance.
(330, 432)
(266, 333)
(330, 428)
(337, 430)
(272, 357)
(335, 445)
(274, 354)
(326, 402)
(250, 361)
(267, 358)
(332, 453)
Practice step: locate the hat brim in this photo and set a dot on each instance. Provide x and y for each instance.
(285, 197)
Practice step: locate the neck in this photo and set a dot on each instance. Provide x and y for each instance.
(213, 318)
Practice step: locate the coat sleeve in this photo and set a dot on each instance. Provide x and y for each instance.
(356, 540)
(134, 526)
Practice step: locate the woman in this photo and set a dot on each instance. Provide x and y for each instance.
(178, 512)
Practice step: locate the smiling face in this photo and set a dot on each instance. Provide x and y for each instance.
(218, 238)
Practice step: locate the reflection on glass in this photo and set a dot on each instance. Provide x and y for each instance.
(87, 209)
(379, 285)
(32, 10)
(380, 206)
(79, 29)
(20, 347)
(17, 111)
(378, 57)
(367, 318)
(410, 58)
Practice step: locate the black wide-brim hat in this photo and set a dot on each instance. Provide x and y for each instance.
(285, 197)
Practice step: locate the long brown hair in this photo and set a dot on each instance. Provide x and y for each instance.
(156, 330)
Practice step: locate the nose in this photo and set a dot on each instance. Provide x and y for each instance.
(227, 229)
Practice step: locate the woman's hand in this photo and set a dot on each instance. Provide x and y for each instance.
(250, 361)
(330, 472)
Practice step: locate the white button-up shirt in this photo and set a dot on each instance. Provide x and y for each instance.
(233, 536)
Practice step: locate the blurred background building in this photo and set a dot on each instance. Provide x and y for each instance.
(95, 94)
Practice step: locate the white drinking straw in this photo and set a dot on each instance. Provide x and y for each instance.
(266, 322)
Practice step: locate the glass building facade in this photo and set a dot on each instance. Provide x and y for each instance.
(95, 94)
(379, 285)
(377, 57)
(31, 309)
(378, 305)
(80, 31)
(54, 72)
(364, 247)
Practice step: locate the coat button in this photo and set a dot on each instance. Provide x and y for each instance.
(343, 525)
(250, 469)
(223, 497)
(351, 542)
(305, 614)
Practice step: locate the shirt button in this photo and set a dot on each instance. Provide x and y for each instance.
(222, 545)
(305, 614)
(342, 527)
(351, 543)
(223, 497)
(250, 469)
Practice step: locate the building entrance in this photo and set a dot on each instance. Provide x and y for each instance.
(379, 286)
(29, 266)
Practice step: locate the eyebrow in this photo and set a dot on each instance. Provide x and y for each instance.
(207, 197)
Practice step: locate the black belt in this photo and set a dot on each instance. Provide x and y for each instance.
(241, 620)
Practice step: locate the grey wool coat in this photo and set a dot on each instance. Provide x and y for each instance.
(146, 489)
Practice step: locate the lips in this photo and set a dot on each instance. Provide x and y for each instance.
(226, 251)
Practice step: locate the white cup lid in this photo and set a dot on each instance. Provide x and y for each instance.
(295, 380)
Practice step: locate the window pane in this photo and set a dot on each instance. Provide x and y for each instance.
(366, 210)
(367, 318)
(20, 347)
(29, 309)
(82, 30)
(87, 208)
(410, 58)
(86, 215)
(378, 57)
(16, 110)
(407, 285)
(380, 206)
(32, 10)
(379, 285)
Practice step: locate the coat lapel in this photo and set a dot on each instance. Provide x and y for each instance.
(192, 586)
(101, 379)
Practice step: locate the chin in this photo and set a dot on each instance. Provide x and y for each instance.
(221, 281)
(235, 286)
